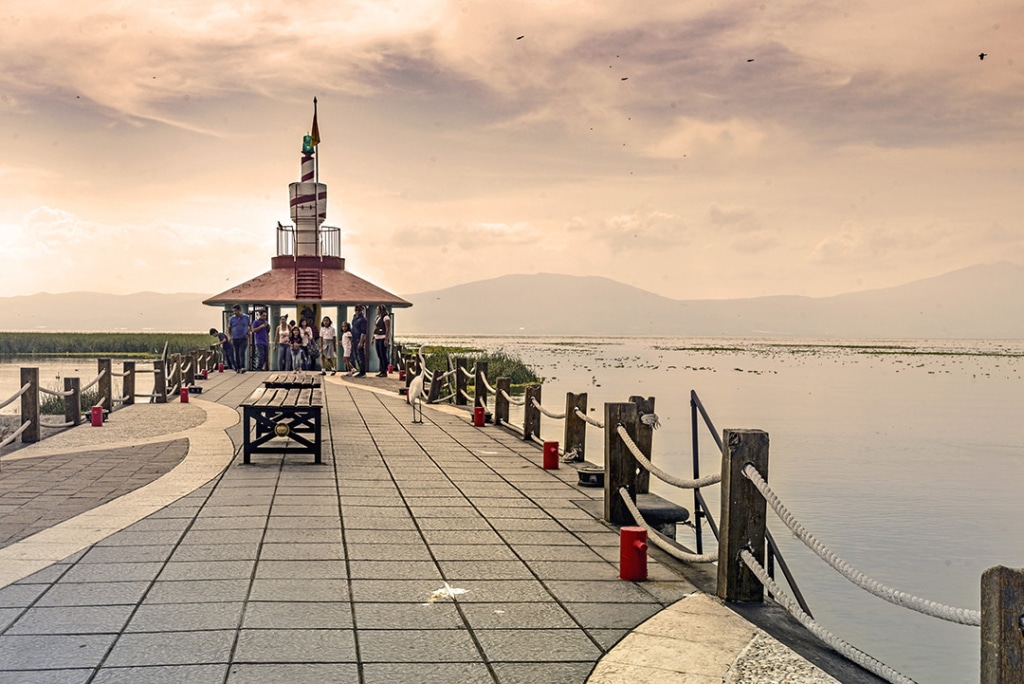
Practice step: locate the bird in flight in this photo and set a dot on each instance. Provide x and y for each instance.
(520, 37)
(983, 55)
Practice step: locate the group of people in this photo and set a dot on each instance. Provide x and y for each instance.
(303, 347)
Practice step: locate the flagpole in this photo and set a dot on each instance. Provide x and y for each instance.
(316, 184)
(316, 153)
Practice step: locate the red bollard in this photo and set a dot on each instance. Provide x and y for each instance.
(206, 375)
(478, 416)
(391, 369)
(97, 416)
(550, 455)
(184, 395)
(401, 375)
(220, 367)
(633, 554)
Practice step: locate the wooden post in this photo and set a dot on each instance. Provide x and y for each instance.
(743, 514)
(106, 384)
(73, 402)
(175, 360)
(531, 416)
(1002, 626)
(644, 440)
(575, 437)
(128, 383)
(619, 465)
(193, 362)
(30, 405)
(460, 382)
(159, 381)
(479, 388)
(500, 402)
(435, 389)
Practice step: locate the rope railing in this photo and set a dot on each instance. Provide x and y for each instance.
(848, 651)
(16, 395)
(509, 399)
(487, 385)
(125, 374)
(55, 426)
(537, 405)
(94, 381)
(444, 398)
(659, 539)
(468, 374)
(55, 393)
(464, 395)
(481, 402)
(587, 419)
(17, 433)
(962, 616)
(145, 370)
(713, 478)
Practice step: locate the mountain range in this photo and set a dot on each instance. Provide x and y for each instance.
(978, 302)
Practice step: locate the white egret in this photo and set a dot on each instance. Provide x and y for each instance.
(416, 389)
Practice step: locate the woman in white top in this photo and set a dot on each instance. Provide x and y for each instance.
(284, 350)
(346, 347)
(328, 347)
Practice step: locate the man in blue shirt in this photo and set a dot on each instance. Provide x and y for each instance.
(238, 328)
(261, 339)
(359, 340)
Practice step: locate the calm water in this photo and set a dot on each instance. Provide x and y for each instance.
(907, 461)
(906, 458)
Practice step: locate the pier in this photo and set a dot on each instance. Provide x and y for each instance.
(145, 550)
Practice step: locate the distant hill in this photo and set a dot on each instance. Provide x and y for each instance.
(977, 302)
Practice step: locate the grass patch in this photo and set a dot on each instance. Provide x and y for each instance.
(122, 345)
(500, 364)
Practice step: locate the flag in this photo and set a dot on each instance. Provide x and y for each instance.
(314, 134)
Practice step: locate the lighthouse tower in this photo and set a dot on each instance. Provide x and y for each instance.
(308, 205)
(308, 273)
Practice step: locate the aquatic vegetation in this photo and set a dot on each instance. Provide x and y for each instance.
(122, 345)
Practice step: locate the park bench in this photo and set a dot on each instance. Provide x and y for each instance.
(290, 380)
(283, 419)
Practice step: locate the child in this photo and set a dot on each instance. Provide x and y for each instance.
(227, 350)
(328, 351)
(346, 347)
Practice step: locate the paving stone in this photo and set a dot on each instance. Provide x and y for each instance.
(536, 645)
(127, 554)
(179, 648)
(106, 572)
(417, 646)
(296, 646)
(300, 536)
(290, 590)
(215, 552)
(574, 570)
(608, 638)
(543, 673)
(53, 651)
(517, 616)
(426, 673)
(366, 569)
(419, 615)
(162, 674)
(296, 551)
(378, 591)
(186, 617)
(462, 571)
(93, 593)
(21, 594)
(293, 673)
(65, 676)
(612, 615)
(197, 591)
(73, 620)
(302, 569)
(298, 615)
(394, 553)
(208, 570)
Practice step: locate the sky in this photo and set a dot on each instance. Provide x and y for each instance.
(706, 149)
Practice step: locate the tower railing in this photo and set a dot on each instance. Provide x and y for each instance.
(329, 237)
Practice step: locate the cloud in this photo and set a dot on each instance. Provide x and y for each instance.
(649, 231)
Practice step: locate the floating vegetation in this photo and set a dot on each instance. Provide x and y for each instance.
(122, 345)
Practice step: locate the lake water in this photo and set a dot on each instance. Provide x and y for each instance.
(906, 458)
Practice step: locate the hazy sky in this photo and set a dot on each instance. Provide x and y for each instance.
(694, 149)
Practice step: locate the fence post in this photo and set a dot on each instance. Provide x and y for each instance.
(435, 388)
(30, 404)
(479, 388)
(176, 372)
(106, 384)
(742, 524)
(460, 382)
(160, 381)
(575, 437)
(531, 416)
(128, 383)
(504, 386)
(619, 465)
(73, 402)
(644, 440)
(1002, 626)
(190, 373)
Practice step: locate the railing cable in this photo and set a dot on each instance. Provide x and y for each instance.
(711, 479)
(962, 616)
(596, 423)
(17, 433)
(662, 542)
(537, 405)
(16, 395)
(516, 402)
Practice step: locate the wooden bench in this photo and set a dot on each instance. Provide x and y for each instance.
(288, 414)
(297, 379)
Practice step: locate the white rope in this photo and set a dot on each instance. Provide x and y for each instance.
(145, 370)
(466, 372)
(536, 440)
(517, 402)
(899, 598)
(16, 395)
(481, 402)
(56, 426)
(537, 405)
(444, 398)
(187, 367)
(94, 380)
(487, 385)
(54, 393)
(848, 651)
(465, 396)
(428, 375)
(121, 375)
(119, 400)
(585, 417)
(711, 479)
(14, 435)
(661, 541)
